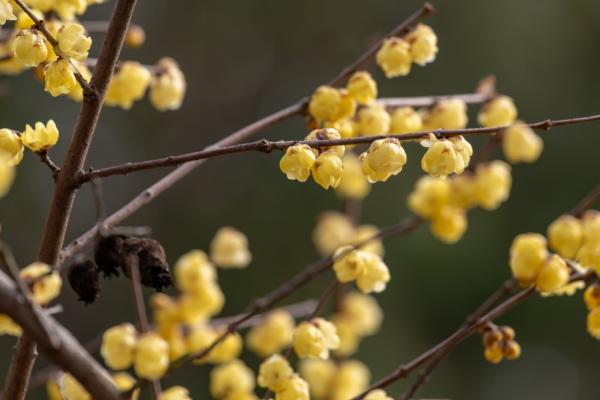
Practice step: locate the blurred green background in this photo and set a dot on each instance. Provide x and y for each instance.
(244, 59)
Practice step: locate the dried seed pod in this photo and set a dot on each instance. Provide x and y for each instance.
(152, 261)
(83, 278)
(107, 255)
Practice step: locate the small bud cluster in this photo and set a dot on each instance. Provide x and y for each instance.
(367, 269)
(276, 375)
(499, 343)
(445, 202)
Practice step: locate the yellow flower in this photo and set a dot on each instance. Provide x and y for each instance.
(553, 276)
(6, 12)
(73, 390)
(333, 230)
(494, 352)
(528, 254)
(198, 306)
(192, 271)
(29, 47)
(499, 111)
(175, 393)
(462, 191)
(118, 346)
(446, 114)
(566, 235)
(272, 334)
(200, 337)
(42, 137)
(135, 36)
(24, 21)
(168, 87)
(521, 144)
(375, 276)
(314, 339)
(274, 373)
(368, 232)
(591, 296)
(423, 44)
(128, 85)
(354, 184)
(352, 379)
(362, 312)
(464, 150)
(9, 327)
(405, 120)
(385, 158)
(327, 169)
(73, 41)
(449, 224)
(231, 378)
(349, 264)
(325, 103)
(59, 77)
(229, 249)
(297, 162)
(394, 57)
(378, 394)
(593, 323)
(320, 376)
(45, 283)
(7, 176)
(374, 120)
(591, 226)
(295, 389)
(67, 9)
(492, 184)
(229, 349)
(124, 382)
(429, 196)
(151, 359)
(11, 147)
(362, 87)
(349, 337)
(77, 92)
(441, 159)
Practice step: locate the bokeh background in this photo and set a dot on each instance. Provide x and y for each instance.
(244, 59)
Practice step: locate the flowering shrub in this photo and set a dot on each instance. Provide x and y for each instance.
(353, 140)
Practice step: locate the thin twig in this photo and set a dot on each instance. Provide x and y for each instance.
(457, 337)
(266, 146)
(485, 307)
(45, 159)
(587, 202)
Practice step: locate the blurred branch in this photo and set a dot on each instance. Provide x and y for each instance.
(586, 202)
(70, 354)
(445, 346)
(267, 146)
(297, 108)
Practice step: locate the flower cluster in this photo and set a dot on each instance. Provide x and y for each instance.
(315, 338)
(591, 298)
(499, 343)
(329, 380)
(445, 202)
(277, 375)
(396, 55)
(273, 334)
(367, 269)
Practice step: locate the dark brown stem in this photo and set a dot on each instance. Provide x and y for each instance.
(45, 159)
(21, 364)
(267, 146)
(65, 189)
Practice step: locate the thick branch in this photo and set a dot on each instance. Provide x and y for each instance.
(68, 354)
(267, 146)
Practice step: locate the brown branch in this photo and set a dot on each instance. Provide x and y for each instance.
(68, 354)
(170, 179)
(45, 159)
(267, 146)
(64, 195)
(21, 364)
